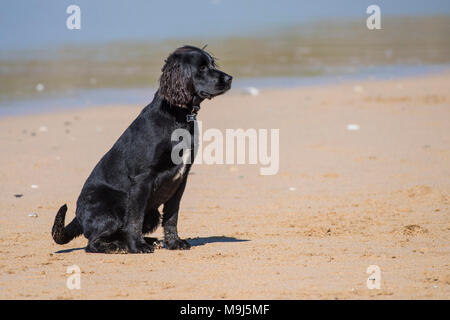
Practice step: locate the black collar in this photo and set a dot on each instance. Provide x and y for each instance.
(181, 113)
(185, 113)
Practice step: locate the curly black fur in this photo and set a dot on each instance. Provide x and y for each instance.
(175, 84)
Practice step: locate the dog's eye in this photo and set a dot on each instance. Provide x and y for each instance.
(203, 68)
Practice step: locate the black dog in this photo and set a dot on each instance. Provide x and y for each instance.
(119, 201)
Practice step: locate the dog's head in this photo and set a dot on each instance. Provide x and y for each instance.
(189, 73)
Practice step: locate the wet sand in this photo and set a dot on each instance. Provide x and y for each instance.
(341, 201)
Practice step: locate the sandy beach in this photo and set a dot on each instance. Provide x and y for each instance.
(342, 200)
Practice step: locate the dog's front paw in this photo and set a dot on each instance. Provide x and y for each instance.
(141, 247)
(176, 244)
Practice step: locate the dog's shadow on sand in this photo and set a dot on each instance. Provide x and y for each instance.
(69, 250)
(194, 242)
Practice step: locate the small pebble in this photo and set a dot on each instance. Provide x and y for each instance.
(18, 195)
(358, 89)
(40, 87)
(353, 127)
(292, 189)
(251, 91)
(33, 215)
(34, 186)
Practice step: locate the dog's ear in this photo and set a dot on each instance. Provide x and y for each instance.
(175, 84)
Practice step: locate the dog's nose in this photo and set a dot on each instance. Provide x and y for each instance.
(227, 79)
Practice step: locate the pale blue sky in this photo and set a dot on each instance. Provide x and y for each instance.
(40, 23)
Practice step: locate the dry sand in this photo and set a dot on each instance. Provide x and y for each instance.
(342, 201)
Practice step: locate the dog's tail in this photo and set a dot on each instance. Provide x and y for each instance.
(61, 234)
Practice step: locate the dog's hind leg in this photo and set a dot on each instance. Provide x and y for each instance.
(107, 238)
(100, 245)
(105, 243)
(101, 210)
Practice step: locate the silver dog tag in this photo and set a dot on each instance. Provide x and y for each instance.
(191, 117)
